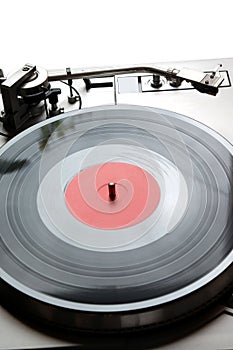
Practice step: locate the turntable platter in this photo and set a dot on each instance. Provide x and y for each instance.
(160, 250)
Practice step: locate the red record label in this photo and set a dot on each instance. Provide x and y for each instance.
(90, 195)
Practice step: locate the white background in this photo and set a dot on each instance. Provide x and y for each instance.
(56, 34)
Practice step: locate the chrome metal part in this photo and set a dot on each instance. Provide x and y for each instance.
(147, 83)
(215, 71)
(203, 82)
(112, 190)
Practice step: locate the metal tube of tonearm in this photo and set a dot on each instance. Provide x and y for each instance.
(202, 81)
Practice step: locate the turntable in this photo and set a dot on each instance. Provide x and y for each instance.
(116, 205)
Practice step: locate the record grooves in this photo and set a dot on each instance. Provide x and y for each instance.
(173, 258)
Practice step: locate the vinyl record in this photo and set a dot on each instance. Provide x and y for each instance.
(158, 250)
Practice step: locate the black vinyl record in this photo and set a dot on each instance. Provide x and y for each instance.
(81, 274)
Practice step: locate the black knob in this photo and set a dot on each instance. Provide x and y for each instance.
(175, 82)
(53, 96)
(89, 84)
(156, 81)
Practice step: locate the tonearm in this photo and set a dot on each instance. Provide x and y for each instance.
(30, 86)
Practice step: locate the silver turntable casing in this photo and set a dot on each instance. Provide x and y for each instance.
(136, 89)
